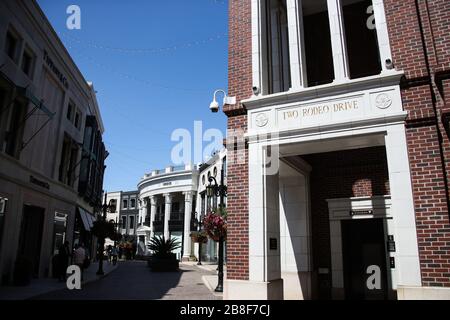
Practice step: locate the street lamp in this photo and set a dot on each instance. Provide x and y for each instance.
(199, 224)
(105, 208)
(218, 190)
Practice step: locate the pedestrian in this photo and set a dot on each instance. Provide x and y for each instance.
(63, 260)
(109, 252)
(114, 255)
(79, 257)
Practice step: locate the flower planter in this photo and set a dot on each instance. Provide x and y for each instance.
(163, 264)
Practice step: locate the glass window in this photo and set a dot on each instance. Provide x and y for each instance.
(361, 38)
(27, 62)
(11, 45)
(113, 205)
(69, 157)
(124, 222)
(14, 135)
(70, 111)
(317, 43)
(277, 43)
(77, 120)
(133, 203)
(59, 231)
(125, 204)
(131, 222)
(202, 199)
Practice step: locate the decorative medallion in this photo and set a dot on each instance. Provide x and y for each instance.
(261, 120)
(383, 101)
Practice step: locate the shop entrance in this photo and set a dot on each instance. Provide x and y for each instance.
(31, 236)
(363, 246)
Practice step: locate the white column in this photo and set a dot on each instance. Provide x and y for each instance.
(264, 225)
(407, 263)
(152, 215)
(167, 211)
(338, 43)
(382, 32)
(296, 47)
(187, 224)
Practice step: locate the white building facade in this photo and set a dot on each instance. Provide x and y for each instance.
(51, 150)
(181, 192)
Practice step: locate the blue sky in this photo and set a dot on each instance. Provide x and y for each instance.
(155, 65)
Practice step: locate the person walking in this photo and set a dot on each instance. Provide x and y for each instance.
(114, 255)
(63, 260)
(79, 257)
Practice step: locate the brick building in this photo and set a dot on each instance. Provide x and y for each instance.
(338, 149)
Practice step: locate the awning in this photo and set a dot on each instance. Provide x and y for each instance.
(38, 105)
(84, 219)
(87, 218)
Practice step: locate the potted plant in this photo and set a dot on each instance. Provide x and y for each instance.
(163, 258)
(199, 236)
(215, 225)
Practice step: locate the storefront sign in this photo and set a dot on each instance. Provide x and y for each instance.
(361, 212)
(318, 113)
(55, 70)
(39, 183)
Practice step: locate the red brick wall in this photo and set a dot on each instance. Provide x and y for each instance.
(420, 40)
(239, 85)
(341, 174)
(425, 59)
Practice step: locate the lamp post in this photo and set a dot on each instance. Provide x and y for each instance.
(104, 209)
(200, 223)
(102, 240)
(219, 190)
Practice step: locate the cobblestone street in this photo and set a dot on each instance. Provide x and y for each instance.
(133, 280)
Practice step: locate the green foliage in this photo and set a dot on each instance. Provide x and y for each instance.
(163, 248)
(103, 229)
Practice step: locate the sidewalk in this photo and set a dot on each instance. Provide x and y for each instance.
(210, 281)
(46, 285)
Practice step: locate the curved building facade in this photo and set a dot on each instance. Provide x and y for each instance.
(167, 203)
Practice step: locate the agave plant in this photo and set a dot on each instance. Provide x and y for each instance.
(163, 248)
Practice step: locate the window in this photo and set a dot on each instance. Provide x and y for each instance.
(361, 38)
(131, 222)
(28, 62)
(70, 111)
(277, 44)
(69, 157)
(317, 43)
(124, 222)
(11, 45)
(13, 137)
(77, 120)
(125, 204)
(133, 203)
(113, 204)
(202, 199)
(59, 231)
(176, 207)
